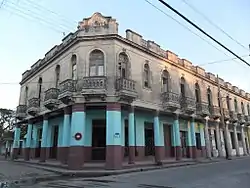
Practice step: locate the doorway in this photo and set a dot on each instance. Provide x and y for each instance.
(169, 150)
(126, 150)
(183, 135)
(98, 140)
(149, 139)
(53, 152)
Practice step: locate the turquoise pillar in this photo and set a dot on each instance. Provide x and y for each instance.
(192, 137)
(29, 136)
(202, 136)
(177, 138)
(34, 137)
(114, 155)
(43, 153)
(17, 133)
(159, 146)
(77, 131)
(28, 142)
(131, 135)
(66, 128)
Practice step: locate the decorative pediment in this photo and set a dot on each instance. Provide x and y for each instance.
(96, 20)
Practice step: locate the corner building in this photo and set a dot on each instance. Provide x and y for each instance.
(101, 97)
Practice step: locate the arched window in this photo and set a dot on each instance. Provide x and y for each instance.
(165, 81)
(96, 63)
(248, 109)
(40, 83)
(228, 103)
(209, 97)
(73, 67)
(146, 75)
(183, 83)
(26, 95)
(235, 105)
(123, 65)
(197, 93)
(242, 108)
(57, 72)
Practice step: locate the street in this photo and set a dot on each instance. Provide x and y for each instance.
(230, 174)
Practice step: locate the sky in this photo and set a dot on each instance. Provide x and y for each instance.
(30, 28)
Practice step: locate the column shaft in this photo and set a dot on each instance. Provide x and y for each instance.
(207, 140)
(114, 156)
(193, 138)
(28, 142)
(218, 139)
(76, 150)
(16, 143)
(44, 146)
(236, 142)
(243, 140)
(131, 135)
(177, 138)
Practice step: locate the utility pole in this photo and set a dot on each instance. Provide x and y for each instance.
(224, 126)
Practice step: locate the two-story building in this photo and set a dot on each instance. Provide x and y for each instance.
(101, 97)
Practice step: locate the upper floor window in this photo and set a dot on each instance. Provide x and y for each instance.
(235, 105)
(74, 67)
(40, 83)
(165, 81)
(57, 72)
(197, 93)
(146, 75)
(248, 109)
(96, 63)
(26, 95)
(123, 65)
(209, 97)
(242, 108)
(182, 85)
(228, 103)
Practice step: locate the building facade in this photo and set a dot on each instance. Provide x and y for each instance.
(101, 97)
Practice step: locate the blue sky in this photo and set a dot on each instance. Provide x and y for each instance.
(28, 31)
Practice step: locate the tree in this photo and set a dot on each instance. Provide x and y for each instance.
(7, 119)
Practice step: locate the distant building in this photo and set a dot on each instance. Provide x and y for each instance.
(101, 97)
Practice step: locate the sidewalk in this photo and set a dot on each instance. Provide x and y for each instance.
(55, 173)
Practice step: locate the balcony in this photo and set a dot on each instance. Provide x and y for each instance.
(170, 101)
(247, 119)
(93, 87)
(188, 104)
(226, 114)
(202, 109)
(125, 89)
(51, 98)
(241, 118)
(214, 111)
(66, 90)
(233, 116)
(33, 106)
(21, 112)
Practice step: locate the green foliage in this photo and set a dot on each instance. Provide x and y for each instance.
(7, 119)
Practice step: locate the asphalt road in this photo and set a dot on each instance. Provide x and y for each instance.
(230, 174)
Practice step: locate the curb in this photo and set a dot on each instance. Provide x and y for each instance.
(93, 174)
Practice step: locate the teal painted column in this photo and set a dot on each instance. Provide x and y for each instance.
(76, 150)
(66, 130)
(193, 138)
(177, 138)
(114, 152)
(34, 141)
(159, 146)
(131, 135)
(44, 148)
(16, 143)
(28, 141)
(202, 137)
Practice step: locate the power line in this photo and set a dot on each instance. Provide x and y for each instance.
(221, 61)
(212, 23)
(188, 29)
(202, 31)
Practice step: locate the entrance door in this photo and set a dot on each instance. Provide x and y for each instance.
(167, 139)
(149, 140)
(98, 140)
(183, 135)
(126, 151)
(55, 143)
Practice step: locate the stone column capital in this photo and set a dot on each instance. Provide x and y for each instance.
(176, 116)
(131, 109)
(157, 113)
(67, 110)
(45, 117)
(206, 118)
